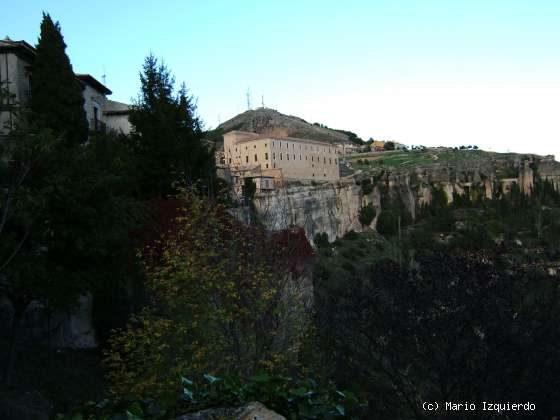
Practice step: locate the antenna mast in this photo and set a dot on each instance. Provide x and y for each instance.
(104, 77)
(248, 99)
(262, 100)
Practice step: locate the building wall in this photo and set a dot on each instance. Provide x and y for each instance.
(93, 99)
(304, 159)
(119, 123)
(296, 158)
(14, 76)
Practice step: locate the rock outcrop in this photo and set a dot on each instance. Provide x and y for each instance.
(250, 411)
(333, 208)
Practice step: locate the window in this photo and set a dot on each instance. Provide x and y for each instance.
(266, 156)
(280, 156)
(273, 156)
(255, 158)
(254, 146)
(245, 147)
(330, 162)
(272, 144)
(294, 156)
(246, 159)
(267, 166)
(274, 165)
(229, 160)
(324, 160)
(287, 156)
(299, 157)
(311, 158)
(335, 161)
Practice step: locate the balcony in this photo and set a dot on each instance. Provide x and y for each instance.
(97, 126)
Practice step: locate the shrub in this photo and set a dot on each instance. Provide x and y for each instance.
(292, 398)
(351, 235)
(367, 214)
(367, 186)
(321, 240)
(213, 283)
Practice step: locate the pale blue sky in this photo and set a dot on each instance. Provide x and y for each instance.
(433, 72)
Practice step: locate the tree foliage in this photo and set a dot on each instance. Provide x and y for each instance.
(167, 135)
(56, 93)
(449, 328)
(227, 298)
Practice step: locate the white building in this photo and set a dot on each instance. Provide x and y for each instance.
(16, 58)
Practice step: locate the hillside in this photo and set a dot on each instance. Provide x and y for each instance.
(270, 121)
(502, 165)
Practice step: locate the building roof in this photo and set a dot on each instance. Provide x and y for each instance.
(88, 79)
(20, 48)
(267, 137)
(116, 108)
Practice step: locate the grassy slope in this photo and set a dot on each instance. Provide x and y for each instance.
(366, 162)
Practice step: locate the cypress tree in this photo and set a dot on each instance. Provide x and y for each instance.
(56, 94)
(167, 135)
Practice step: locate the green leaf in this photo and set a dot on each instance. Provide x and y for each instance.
(188, 395)
(131, 416)
(211, 379)
(136, 409)
(340, 409)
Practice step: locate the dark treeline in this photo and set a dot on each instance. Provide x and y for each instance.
(69, 198)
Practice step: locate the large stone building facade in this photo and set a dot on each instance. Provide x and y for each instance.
(285, 158)
(16, 59)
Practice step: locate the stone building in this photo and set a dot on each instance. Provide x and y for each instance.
(280, 158)
(16, 59)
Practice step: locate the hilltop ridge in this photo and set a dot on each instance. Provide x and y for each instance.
(271, 122)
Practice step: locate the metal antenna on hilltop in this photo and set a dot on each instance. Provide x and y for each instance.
(262, 100)
(248, 99)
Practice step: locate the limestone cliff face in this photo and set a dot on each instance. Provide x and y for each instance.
(329, 208)
(334, 208)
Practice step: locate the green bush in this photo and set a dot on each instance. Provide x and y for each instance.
(367, 214)
(367, 186)
(351, 235)
(292, 398)
(387, 223)
(321, 240)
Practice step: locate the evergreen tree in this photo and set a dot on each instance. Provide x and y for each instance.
(56, 94)
(167, 135)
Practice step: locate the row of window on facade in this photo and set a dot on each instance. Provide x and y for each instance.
(305, 147)
(318, 160)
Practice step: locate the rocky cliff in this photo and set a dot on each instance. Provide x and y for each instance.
(334, 208)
